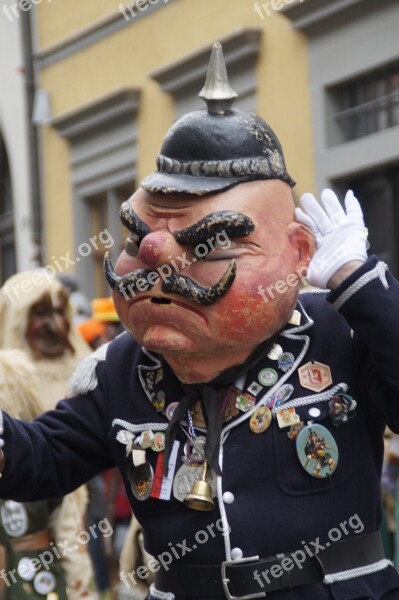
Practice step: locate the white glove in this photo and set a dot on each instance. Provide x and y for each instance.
(340, 236)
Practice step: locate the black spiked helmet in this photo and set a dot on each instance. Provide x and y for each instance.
(215, 149)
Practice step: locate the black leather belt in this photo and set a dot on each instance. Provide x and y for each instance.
(255, 578)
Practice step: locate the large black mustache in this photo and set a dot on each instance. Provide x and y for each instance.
(124, 284)
(188, 288)
(174, 284)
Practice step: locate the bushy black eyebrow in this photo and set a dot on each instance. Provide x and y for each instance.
(234, 224)
(132, 221)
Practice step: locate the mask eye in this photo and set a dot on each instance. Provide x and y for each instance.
(230, 251)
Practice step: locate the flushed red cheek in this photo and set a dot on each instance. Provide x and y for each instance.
(243, 314)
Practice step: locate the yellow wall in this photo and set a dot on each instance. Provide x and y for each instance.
(126, 57)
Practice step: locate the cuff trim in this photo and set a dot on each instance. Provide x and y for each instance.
(377, 273)
(359, 572)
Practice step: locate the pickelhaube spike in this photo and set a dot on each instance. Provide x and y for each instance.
(210, 151)
(217, 93)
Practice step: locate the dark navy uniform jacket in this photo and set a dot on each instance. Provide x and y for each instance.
(273, 506)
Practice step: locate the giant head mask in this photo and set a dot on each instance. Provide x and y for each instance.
(35, 317)
(210, 228)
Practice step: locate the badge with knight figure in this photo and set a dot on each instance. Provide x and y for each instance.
(317, 451)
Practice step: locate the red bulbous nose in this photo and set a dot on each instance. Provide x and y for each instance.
(158, 248)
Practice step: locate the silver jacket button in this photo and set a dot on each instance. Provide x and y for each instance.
(236, 553)
(228, 497)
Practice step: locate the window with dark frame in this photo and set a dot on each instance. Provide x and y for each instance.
(367, 104)
(7, 234)
(101, 206)
(378, 193)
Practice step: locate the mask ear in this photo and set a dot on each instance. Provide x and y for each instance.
(303, 241)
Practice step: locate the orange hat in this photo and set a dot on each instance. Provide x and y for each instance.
(90, 330)
(103, 310)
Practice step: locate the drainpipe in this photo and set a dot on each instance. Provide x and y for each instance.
(30, 87)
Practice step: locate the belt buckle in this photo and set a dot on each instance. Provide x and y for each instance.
(226, 580)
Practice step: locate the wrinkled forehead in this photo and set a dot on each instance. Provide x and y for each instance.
(272, 198)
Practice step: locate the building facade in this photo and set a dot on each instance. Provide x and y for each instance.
(354, 83)
(16, 249)
(117, 75)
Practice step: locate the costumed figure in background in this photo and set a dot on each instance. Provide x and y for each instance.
(207, 289)
(28, 531)
(36, 317)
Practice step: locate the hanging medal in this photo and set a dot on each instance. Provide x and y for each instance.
(317, 451)
(194, 451)
(140, 475)
(187, 476)
(164, 474)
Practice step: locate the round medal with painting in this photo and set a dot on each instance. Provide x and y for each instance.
(141, 480)
(317, 451)
(260, 420)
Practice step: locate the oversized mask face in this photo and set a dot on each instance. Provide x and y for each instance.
(48, 327)
(190, 276)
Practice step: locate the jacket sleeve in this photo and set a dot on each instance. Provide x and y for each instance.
(369, 301)
(59, 451)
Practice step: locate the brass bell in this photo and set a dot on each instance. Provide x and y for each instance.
(200, 497)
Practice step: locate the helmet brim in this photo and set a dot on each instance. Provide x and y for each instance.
(167, 183)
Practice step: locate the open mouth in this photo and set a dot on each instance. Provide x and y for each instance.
(167, 302)
(161, 301)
